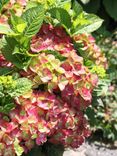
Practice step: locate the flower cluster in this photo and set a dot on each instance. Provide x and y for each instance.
(52, 38)
(90, 49)
(39, 115)
(50, 85)
(69, 76)
(54, 113)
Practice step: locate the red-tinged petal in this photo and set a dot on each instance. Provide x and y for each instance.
(94, 80)
(3, 20)
(41, 139)
(7, 139)
(45, 28)
(47, 75)
(46, 105)
(67, 66)
(59, 31)
(4, 62)
(76, 78)
(33, 111)
(10, 127)
(75, 57)
(62, 83)
(86, 94)
(69, 89)
(16, 133)
(91, 39)
(86, 133)
(75, 101)
(80, 140)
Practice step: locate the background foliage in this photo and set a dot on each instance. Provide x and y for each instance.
(103, 114)
(104, 110)
(106, 9)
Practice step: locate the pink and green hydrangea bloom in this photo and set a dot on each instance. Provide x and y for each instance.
(61, 90)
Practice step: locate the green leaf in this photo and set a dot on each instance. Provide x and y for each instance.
(51, 2)
(34, 19)
(91, 116)
(2, 3)
(5, 70)
(111, 7)
(65, 4)
(11, 88)
(62, 16)
(8, 46)
(5, 29)
(31, 4)
(87, 23)
(16, 52)
(21, 27)
(7, 108)
(17, 23)
(77, 9)
(56, 54)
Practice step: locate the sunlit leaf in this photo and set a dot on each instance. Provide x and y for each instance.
(34, 19)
